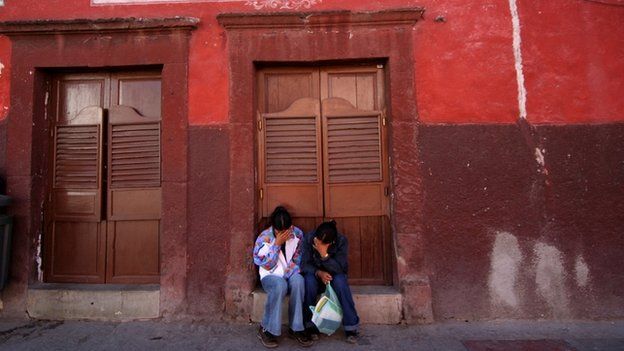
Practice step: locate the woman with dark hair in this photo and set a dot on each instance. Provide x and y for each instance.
(324, 261)
(277, 253)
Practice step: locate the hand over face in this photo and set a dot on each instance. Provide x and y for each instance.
(282, 236)
(321, 247)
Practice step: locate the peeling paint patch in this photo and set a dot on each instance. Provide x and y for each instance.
(504, 266)
(550, 279)
(1, 68)
(581, 271)
(539, 156)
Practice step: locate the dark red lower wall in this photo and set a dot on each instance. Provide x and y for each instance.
(507, 236)
(208, 221)
(3, 139)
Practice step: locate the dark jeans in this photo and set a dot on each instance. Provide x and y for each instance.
(313, 287)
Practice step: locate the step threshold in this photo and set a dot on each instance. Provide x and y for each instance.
(93, 302)
(374, 304)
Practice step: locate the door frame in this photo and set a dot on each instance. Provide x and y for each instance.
(42, 47)
(327, 37)
(105, 245)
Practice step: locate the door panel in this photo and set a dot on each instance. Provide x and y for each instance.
(140, 91)
(104, 227)
(291, 156)
(346, 178)
(285, 86)
(134, 195)
(353, 160)
(356, 167)
(289, 149)
(133, 252)
(76, 246)
(76, 196)
(78, 92)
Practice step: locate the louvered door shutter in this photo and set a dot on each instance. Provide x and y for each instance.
(77, 188)
(74, 244)
(290, 149)
(134, 197)
(134, 165)
(353, 160)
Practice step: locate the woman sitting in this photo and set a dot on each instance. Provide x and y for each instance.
(277, 253)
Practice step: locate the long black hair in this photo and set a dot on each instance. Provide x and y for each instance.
(327, 232)
(280, 218)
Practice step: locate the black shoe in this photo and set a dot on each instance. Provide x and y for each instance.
(352, 336)
(301, 337)
(268, 340)
(313, 333)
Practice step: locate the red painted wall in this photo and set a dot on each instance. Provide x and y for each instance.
(475, 177)
(574, 60)
(5, 73)
(573, 54)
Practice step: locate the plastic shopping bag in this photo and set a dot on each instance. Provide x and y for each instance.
(327, 314)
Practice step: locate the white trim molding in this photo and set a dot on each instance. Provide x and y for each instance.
(136, 2)
(257, 4)
(282, 4)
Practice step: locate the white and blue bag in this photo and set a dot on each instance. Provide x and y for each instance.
(327, 314)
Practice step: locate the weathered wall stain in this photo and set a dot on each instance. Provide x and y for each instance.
(550, 278)
(581, 271)
(506, 260)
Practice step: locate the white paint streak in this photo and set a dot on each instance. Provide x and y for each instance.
(504, 266)
(550, 279)
(517, 41)
(581, 271)
(38, 260)
(1, 68)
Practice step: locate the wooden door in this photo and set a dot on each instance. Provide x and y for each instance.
(289, 131)
(355, 160)
(351, 159)
(102, 217)
(134, 193)
(75, 227)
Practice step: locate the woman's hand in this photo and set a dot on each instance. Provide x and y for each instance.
(324, 276)
(282, 236)
(321, 247)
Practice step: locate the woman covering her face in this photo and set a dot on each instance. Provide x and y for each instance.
(277, 253)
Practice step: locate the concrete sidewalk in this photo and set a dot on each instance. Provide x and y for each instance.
(156, 335)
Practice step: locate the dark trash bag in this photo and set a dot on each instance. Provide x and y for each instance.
(6, 227)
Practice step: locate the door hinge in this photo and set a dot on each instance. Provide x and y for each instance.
(259, 115)
(260, 125)
(383, 118)
(261, 194)
(386, 191)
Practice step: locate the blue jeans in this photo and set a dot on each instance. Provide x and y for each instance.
(276, 289)
(313, 287)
